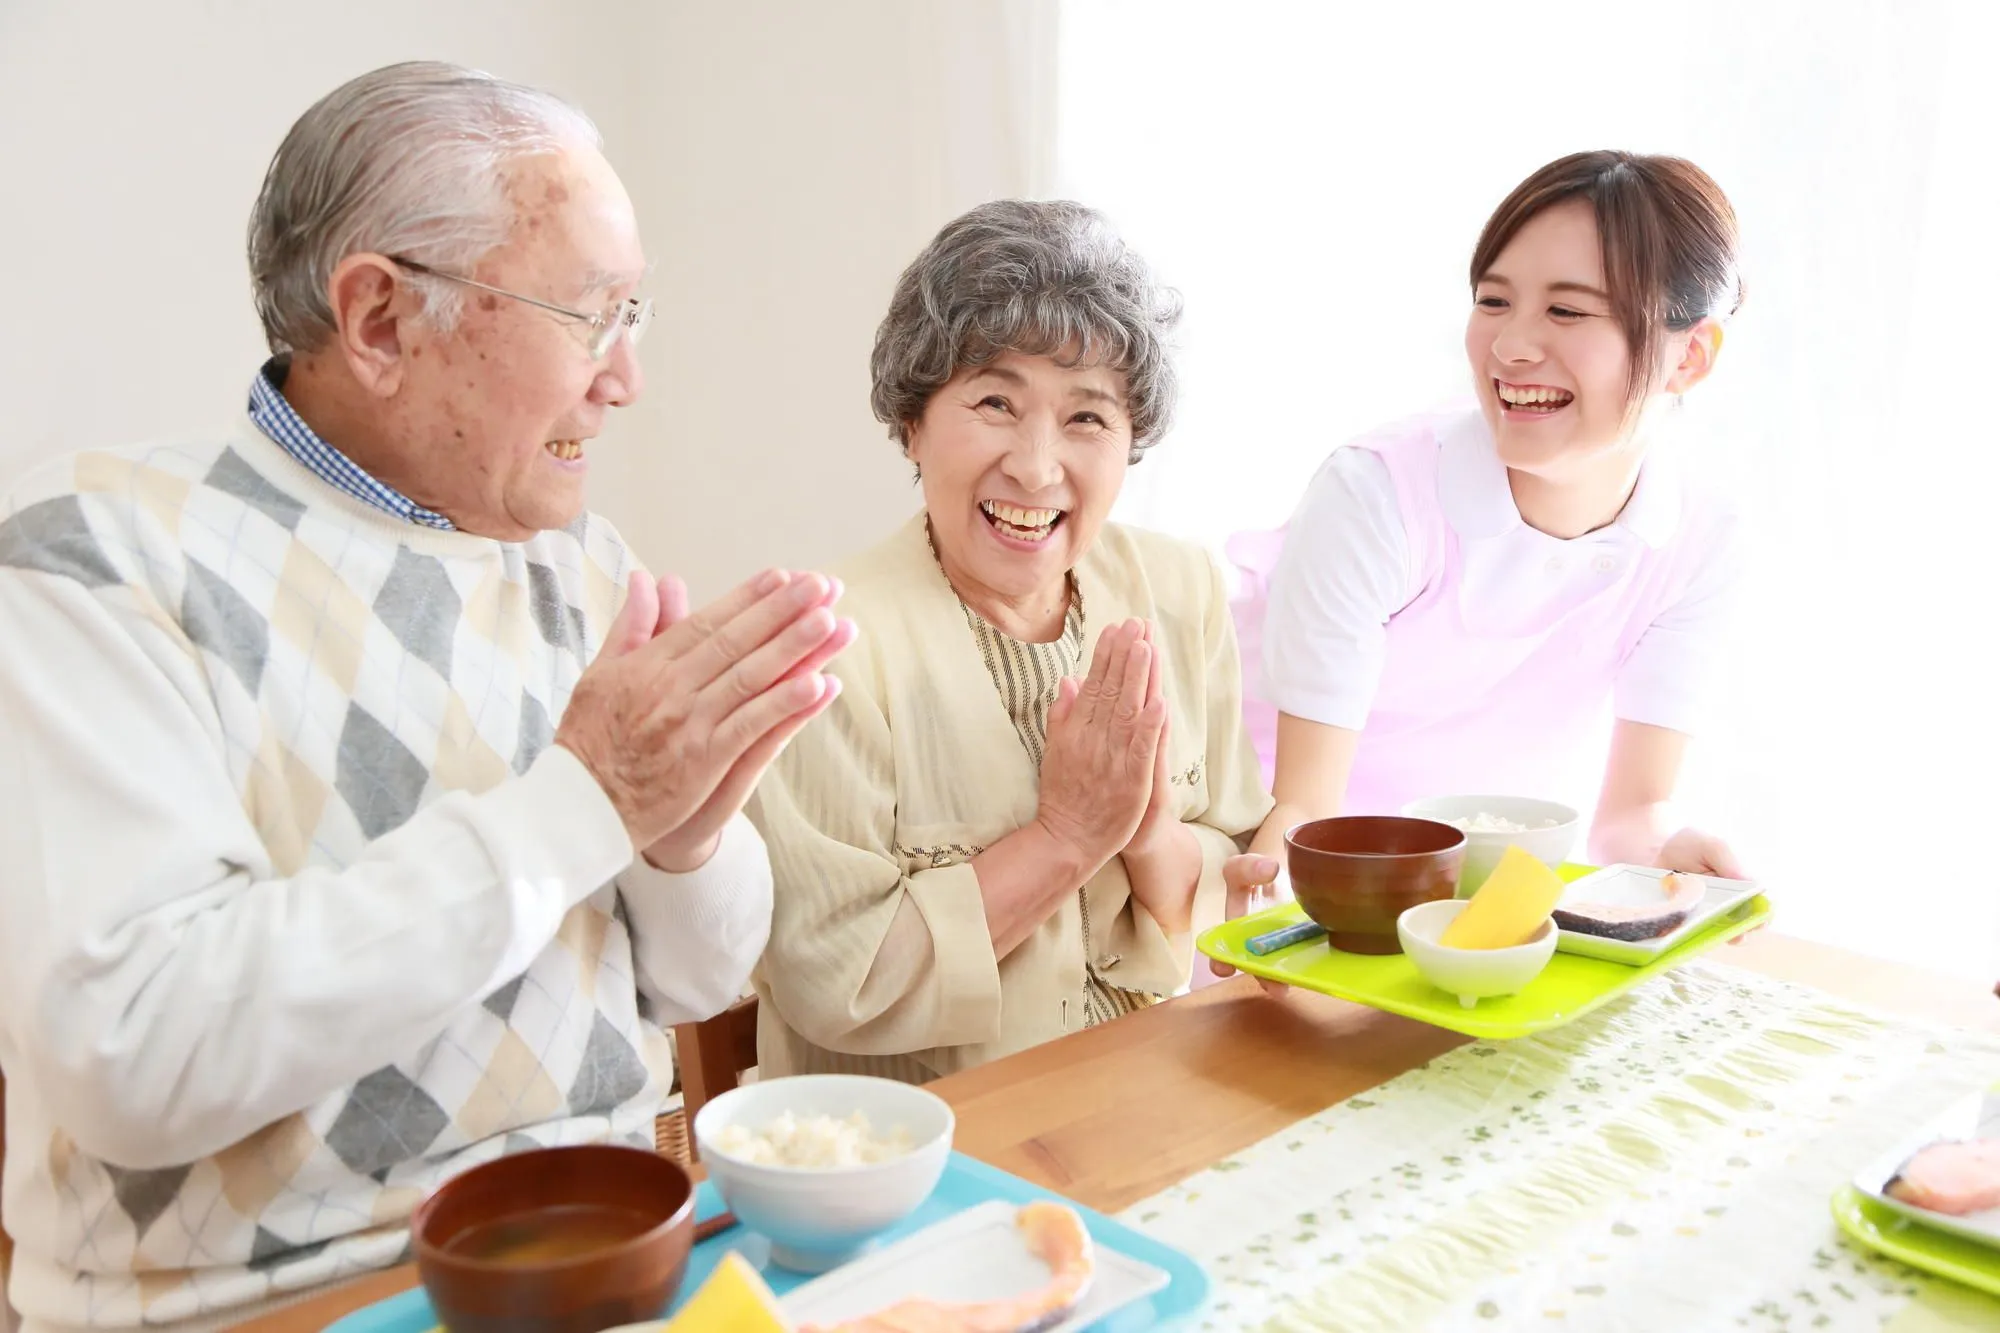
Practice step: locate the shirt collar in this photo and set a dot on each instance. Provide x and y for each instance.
(273, 415)
(1478, 502)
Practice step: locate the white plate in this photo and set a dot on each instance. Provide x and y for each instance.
(976, 1255)
(1976, 1117)
(1623, 885)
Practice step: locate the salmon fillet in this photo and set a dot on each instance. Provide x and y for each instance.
(1055, 1235)
(1631, 924)
(1956, 1179)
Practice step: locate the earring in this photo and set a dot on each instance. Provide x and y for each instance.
(917, 472)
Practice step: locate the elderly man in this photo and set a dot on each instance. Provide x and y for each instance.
(364, 813)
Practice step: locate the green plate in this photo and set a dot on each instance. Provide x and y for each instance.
(1570, 987)
(1890, 1233)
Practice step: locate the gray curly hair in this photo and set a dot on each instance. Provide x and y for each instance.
(1041, 278)
(407, 160)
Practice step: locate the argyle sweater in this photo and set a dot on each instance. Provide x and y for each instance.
(301, 911)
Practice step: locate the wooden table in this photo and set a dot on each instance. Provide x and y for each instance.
(1115, 1114)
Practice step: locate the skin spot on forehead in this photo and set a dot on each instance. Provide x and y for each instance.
(416, 353)
(489, 302)
(457, 433)
(529, 218)
(557, 193)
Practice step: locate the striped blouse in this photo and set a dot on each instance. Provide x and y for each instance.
(1028, 676)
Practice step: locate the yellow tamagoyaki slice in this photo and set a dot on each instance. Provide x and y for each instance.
(1509, 907)
(733, 1300)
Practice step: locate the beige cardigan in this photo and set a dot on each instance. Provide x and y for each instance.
(879, 960)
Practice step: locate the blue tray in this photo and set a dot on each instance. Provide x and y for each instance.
(965, 1182)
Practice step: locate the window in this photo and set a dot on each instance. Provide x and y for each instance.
(1313, 179)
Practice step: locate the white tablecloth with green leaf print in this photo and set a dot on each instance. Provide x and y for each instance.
(1664, 1164)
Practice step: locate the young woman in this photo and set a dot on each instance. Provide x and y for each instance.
(1458, 597)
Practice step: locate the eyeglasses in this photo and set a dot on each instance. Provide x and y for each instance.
(630, 316)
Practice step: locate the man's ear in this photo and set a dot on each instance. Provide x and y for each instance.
(371, 308)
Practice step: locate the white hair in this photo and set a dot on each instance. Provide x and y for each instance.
(407, 161)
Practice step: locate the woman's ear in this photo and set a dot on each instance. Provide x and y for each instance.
(1701, 346)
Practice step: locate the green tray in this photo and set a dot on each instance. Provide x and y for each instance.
(1570, 987)
(1888, 1232)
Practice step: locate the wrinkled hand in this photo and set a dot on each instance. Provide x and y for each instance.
(678, 715)
(1103, 748)
(1162, 815)
(1249, 885)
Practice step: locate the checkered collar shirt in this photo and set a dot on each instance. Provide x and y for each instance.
(275, 417)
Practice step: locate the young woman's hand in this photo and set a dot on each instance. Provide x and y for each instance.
(1250, 885)
(1693, 852)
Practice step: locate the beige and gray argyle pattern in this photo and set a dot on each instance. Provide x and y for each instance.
(357, 675)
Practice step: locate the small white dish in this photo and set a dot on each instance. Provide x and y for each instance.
(1642, 886)
(974, 1255)
(1974, 1117)
(1550, 833)
(1470, 974)
(817, 1219)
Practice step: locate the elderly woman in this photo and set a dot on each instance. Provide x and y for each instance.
(1009, 821)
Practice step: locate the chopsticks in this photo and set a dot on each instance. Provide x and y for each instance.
(1284, 938)
(714, 1226)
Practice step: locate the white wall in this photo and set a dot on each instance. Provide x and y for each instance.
(787, 160)
(135, 136)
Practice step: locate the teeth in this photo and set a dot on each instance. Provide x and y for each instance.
(568, 450)
(1018, 517)
(1522, 395)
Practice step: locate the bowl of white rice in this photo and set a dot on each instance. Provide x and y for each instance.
(822, 1164)
(1545, 830)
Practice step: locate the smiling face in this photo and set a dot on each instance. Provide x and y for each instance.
(1548, 358)
(1022, 459)
(504, 403)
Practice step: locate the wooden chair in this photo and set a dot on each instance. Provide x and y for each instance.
(6, 1245)
(712, 1055)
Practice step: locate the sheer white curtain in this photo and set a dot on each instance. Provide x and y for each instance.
(1313, 178)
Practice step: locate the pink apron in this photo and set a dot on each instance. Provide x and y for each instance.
(1464, 708)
